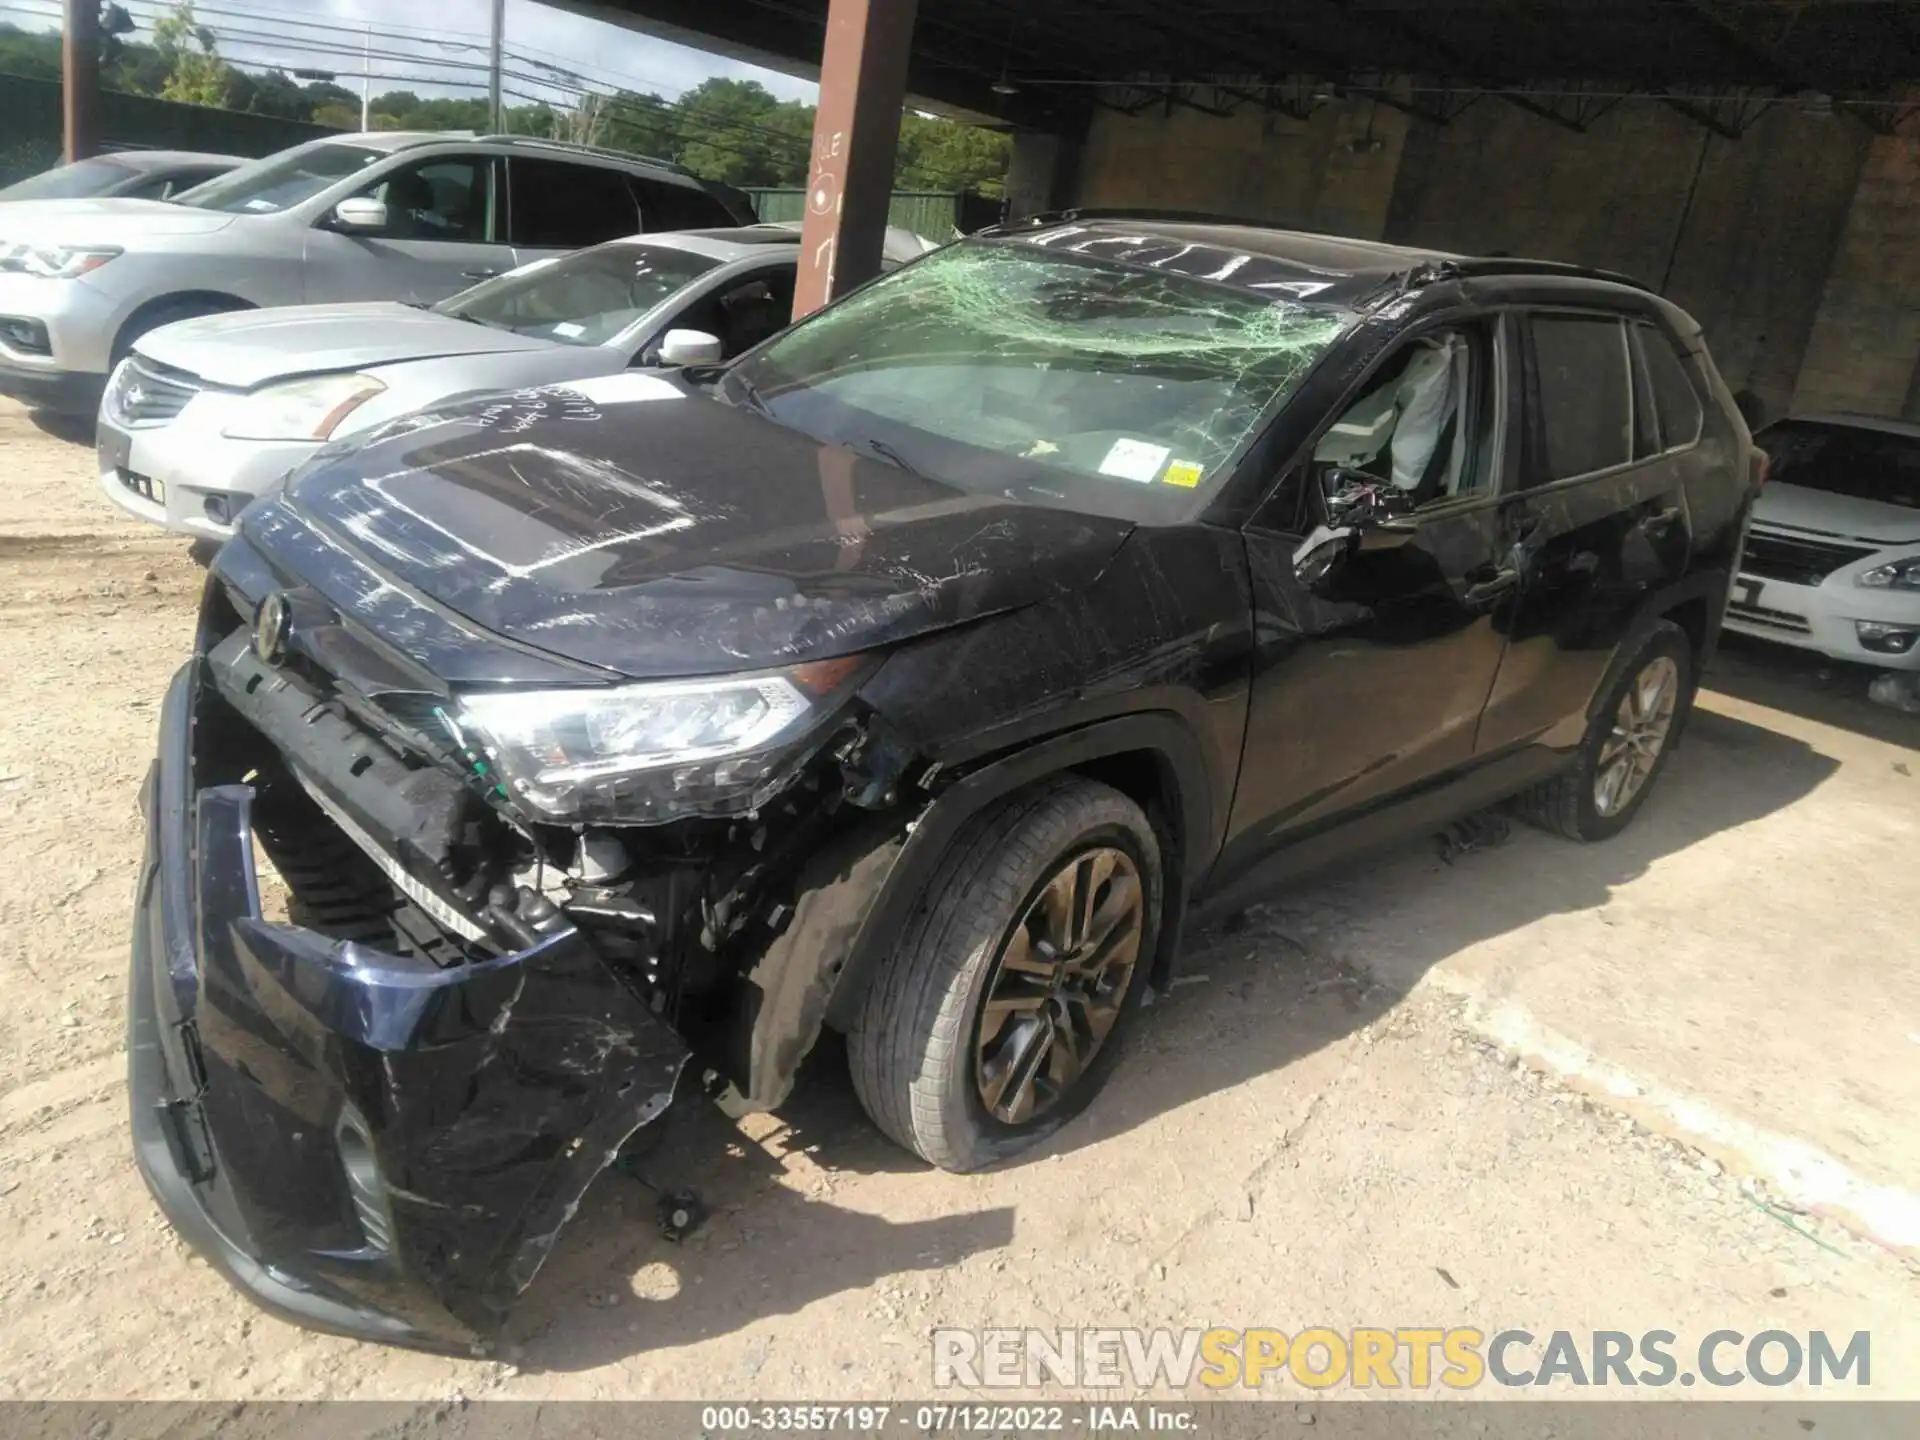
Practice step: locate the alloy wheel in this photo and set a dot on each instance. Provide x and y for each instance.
(1641, 726)
(1058, 984)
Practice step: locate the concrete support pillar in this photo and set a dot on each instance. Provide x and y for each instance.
(80, 80)
(1042, 173)
(863, 84)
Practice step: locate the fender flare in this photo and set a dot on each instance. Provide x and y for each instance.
(854, 897)
(1709, 585)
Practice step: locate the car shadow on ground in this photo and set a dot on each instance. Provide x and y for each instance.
(1273, 977)
(74, 429)
(1830, 692)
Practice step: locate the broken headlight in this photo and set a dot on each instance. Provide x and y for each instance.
(658, 751)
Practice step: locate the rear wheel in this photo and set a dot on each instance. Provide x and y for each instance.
(997, 1015)
(1626, 745)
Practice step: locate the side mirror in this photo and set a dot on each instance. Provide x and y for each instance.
(691, 347)
(1319, 557)
(360, 212)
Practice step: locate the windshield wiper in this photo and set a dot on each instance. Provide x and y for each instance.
(887, 453)
(749, 395)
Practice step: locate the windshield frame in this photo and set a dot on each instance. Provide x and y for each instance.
(628, 335)
(242, 175)
(1031, 480)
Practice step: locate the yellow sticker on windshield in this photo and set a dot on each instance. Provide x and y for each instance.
(1183, 473)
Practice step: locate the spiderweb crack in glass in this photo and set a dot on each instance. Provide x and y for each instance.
(1053, 358)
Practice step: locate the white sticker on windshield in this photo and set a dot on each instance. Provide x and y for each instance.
(1135, 460)
(567, 329)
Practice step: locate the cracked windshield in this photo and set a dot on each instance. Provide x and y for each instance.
(999, 366)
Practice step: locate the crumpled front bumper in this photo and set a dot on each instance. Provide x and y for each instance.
(365, 1144)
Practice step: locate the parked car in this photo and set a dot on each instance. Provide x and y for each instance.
(913, 676)
(1833, 562)
(127, 174)
(208, 413)
(384, 216)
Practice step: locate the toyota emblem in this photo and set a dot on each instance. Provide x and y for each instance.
(272, 624)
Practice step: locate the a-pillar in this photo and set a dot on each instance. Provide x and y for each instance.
(863, 84)
(80, 80)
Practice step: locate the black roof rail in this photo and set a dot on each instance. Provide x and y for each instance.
(1114, 212)
(540, 142)
(1473, 267)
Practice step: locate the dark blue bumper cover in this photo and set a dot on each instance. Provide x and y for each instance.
(365, 1144)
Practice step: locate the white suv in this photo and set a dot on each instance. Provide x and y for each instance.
(384, 216)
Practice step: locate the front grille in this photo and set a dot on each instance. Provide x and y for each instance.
(1774, 556)
(147, 394)
(1782, 620)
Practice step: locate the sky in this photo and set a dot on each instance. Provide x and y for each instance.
(433, 46)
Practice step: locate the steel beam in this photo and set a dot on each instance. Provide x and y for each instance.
(863, 85)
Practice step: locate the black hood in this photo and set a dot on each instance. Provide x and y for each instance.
(634, 524)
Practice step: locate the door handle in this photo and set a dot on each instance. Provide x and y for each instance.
(1485, 592)
(478, 274)
(1660, 519)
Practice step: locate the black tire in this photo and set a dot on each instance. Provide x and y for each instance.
(1567, 804)
(912, 1045)
(164, 313)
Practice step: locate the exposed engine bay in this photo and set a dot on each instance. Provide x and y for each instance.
(391, 830)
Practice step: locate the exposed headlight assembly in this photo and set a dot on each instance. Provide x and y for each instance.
(654, 752)
(1900, 575)
(300, 409)
(57, 262)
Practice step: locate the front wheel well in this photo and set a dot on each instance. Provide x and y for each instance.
(154, 313)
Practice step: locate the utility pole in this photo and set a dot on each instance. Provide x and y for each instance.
(493, 70)
(856, 130)
(366, 84)
(80, 80)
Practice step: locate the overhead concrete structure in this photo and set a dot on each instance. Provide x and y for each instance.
(1751, 158)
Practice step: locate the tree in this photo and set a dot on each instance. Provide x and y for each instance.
(736, 131)
(33, 57)
(938, 154)
(195, 72)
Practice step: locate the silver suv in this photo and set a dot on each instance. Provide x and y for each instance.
(384, 216)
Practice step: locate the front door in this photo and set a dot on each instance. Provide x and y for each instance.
(443, 234)
(1602, 515)
(1369, 680)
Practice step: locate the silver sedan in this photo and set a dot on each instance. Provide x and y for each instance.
(207, 414)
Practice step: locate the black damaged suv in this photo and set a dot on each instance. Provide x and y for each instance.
(912, 676)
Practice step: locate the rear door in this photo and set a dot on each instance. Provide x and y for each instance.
(443, 234)
(1600, 523)
(559, 205)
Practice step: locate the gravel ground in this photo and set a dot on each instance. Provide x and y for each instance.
(1320, 1129)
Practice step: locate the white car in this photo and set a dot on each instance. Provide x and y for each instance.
(383, 216)
(1833, 558)
(206, 414)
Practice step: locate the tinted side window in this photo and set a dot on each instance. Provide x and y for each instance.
(557, 206)
(438, 200)
(678, 207)
(1585, 393)
(1674, 397)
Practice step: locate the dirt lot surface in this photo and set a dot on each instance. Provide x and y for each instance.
(1529, 1085)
